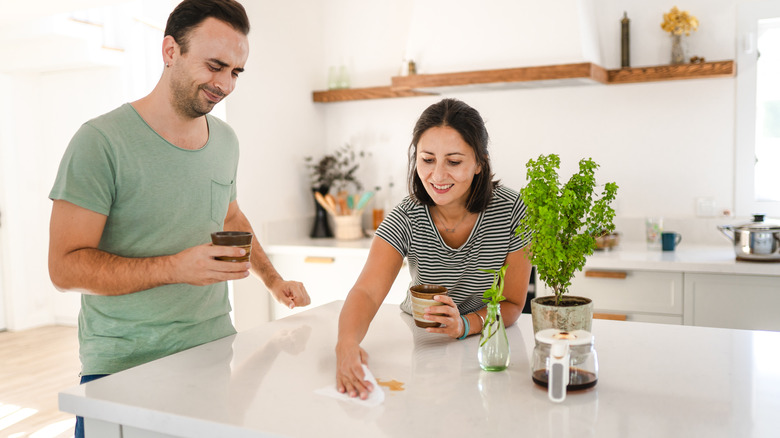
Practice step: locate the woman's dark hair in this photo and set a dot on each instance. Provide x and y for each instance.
(469, 124)
(191, 13)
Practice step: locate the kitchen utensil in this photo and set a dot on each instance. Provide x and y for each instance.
(564, 361)
(670, 240)
(363, 201)
(341, 201)
(755, 241)
(332, 202)
(324, 203)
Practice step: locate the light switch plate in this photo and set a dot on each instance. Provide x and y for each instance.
(705, 207)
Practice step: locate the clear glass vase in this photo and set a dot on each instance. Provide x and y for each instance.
(678, 49)
(493, 351)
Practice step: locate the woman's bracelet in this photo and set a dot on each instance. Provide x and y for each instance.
(466, 327)
(481, 320)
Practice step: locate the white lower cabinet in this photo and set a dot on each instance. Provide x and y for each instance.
(647, 296)
(328, 277)
(747, 302)
(732, 301)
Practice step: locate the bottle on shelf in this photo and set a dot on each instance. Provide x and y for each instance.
(377, 211)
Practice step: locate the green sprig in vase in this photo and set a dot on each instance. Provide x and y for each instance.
(493, 353)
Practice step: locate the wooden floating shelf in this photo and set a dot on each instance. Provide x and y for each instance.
(524, 76)
(363, 93)
(671, 72)
(527, 77)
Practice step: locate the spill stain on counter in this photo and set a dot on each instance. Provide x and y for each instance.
(392, 385)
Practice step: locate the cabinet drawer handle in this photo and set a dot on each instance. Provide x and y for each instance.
(606, 274)
(611, 316)
(313, 259)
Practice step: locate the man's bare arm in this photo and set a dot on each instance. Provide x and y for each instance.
(289, 293)
(75, 263)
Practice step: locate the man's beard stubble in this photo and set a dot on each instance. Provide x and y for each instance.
(192, 105)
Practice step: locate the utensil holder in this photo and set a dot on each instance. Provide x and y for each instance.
(348, 227)
(320, 227)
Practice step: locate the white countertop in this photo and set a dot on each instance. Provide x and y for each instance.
(654, 380)
(316, 247)
(715, 259)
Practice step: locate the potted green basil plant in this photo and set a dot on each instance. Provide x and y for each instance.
(564, 220)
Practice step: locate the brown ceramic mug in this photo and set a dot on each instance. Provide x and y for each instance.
(242, 239)
(422, 297)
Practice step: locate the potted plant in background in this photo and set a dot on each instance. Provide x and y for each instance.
(332, 171)
(564, 221)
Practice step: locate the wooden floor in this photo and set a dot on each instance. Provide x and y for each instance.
(34, 366)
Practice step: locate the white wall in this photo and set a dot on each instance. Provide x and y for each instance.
(662, 155)
(272, 113)
(664, 143)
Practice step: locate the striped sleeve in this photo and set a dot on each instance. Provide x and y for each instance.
(396, 228)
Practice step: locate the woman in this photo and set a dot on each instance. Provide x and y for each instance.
(456, 221)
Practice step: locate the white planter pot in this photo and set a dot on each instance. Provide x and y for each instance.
(575, 314)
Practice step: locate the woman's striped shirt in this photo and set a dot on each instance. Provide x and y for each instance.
(409, 228)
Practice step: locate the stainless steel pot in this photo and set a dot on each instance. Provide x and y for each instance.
(755, 241)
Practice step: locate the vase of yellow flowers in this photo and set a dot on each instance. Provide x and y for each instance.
(678, 24)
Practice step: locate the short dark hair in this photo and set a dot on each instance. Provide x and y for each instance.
(191, 13)
(469, 124)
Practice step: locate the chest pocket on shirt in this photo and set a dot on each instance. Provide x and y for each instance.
(220, 199)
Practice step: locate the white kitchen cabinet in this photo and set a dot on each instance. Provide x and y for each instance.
(647, 296)
(732, 301)
(328, 276)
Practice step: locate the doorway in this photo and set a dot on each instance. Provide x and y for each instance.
(2, 277)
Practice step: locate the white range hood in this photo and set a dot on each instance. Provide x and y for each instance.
(530, 33)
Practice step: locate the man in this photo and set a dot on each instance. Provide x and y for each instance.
(138, 193)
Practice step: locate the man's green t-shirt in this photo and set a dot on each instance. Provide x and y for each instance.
(159, 199)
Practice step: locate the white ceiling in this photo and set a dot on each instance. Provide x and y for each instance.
(37, 36)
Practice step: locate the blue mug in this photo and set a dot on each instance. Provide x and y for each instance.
(670, 240)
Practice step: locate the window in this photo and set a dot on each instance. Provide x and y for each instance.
(758, 109)
(768, 111)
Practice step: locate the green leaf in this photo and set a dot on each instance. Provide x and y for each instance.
(561, 219)
(495, 294)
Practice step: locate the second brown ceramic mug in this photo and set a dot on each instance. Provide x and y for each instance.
(422, 297)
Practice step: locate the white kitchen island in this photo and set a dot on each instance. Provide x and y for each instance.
(655, 380)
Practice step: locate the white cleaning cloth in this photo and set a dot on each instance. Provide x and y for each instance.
(375, 397)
